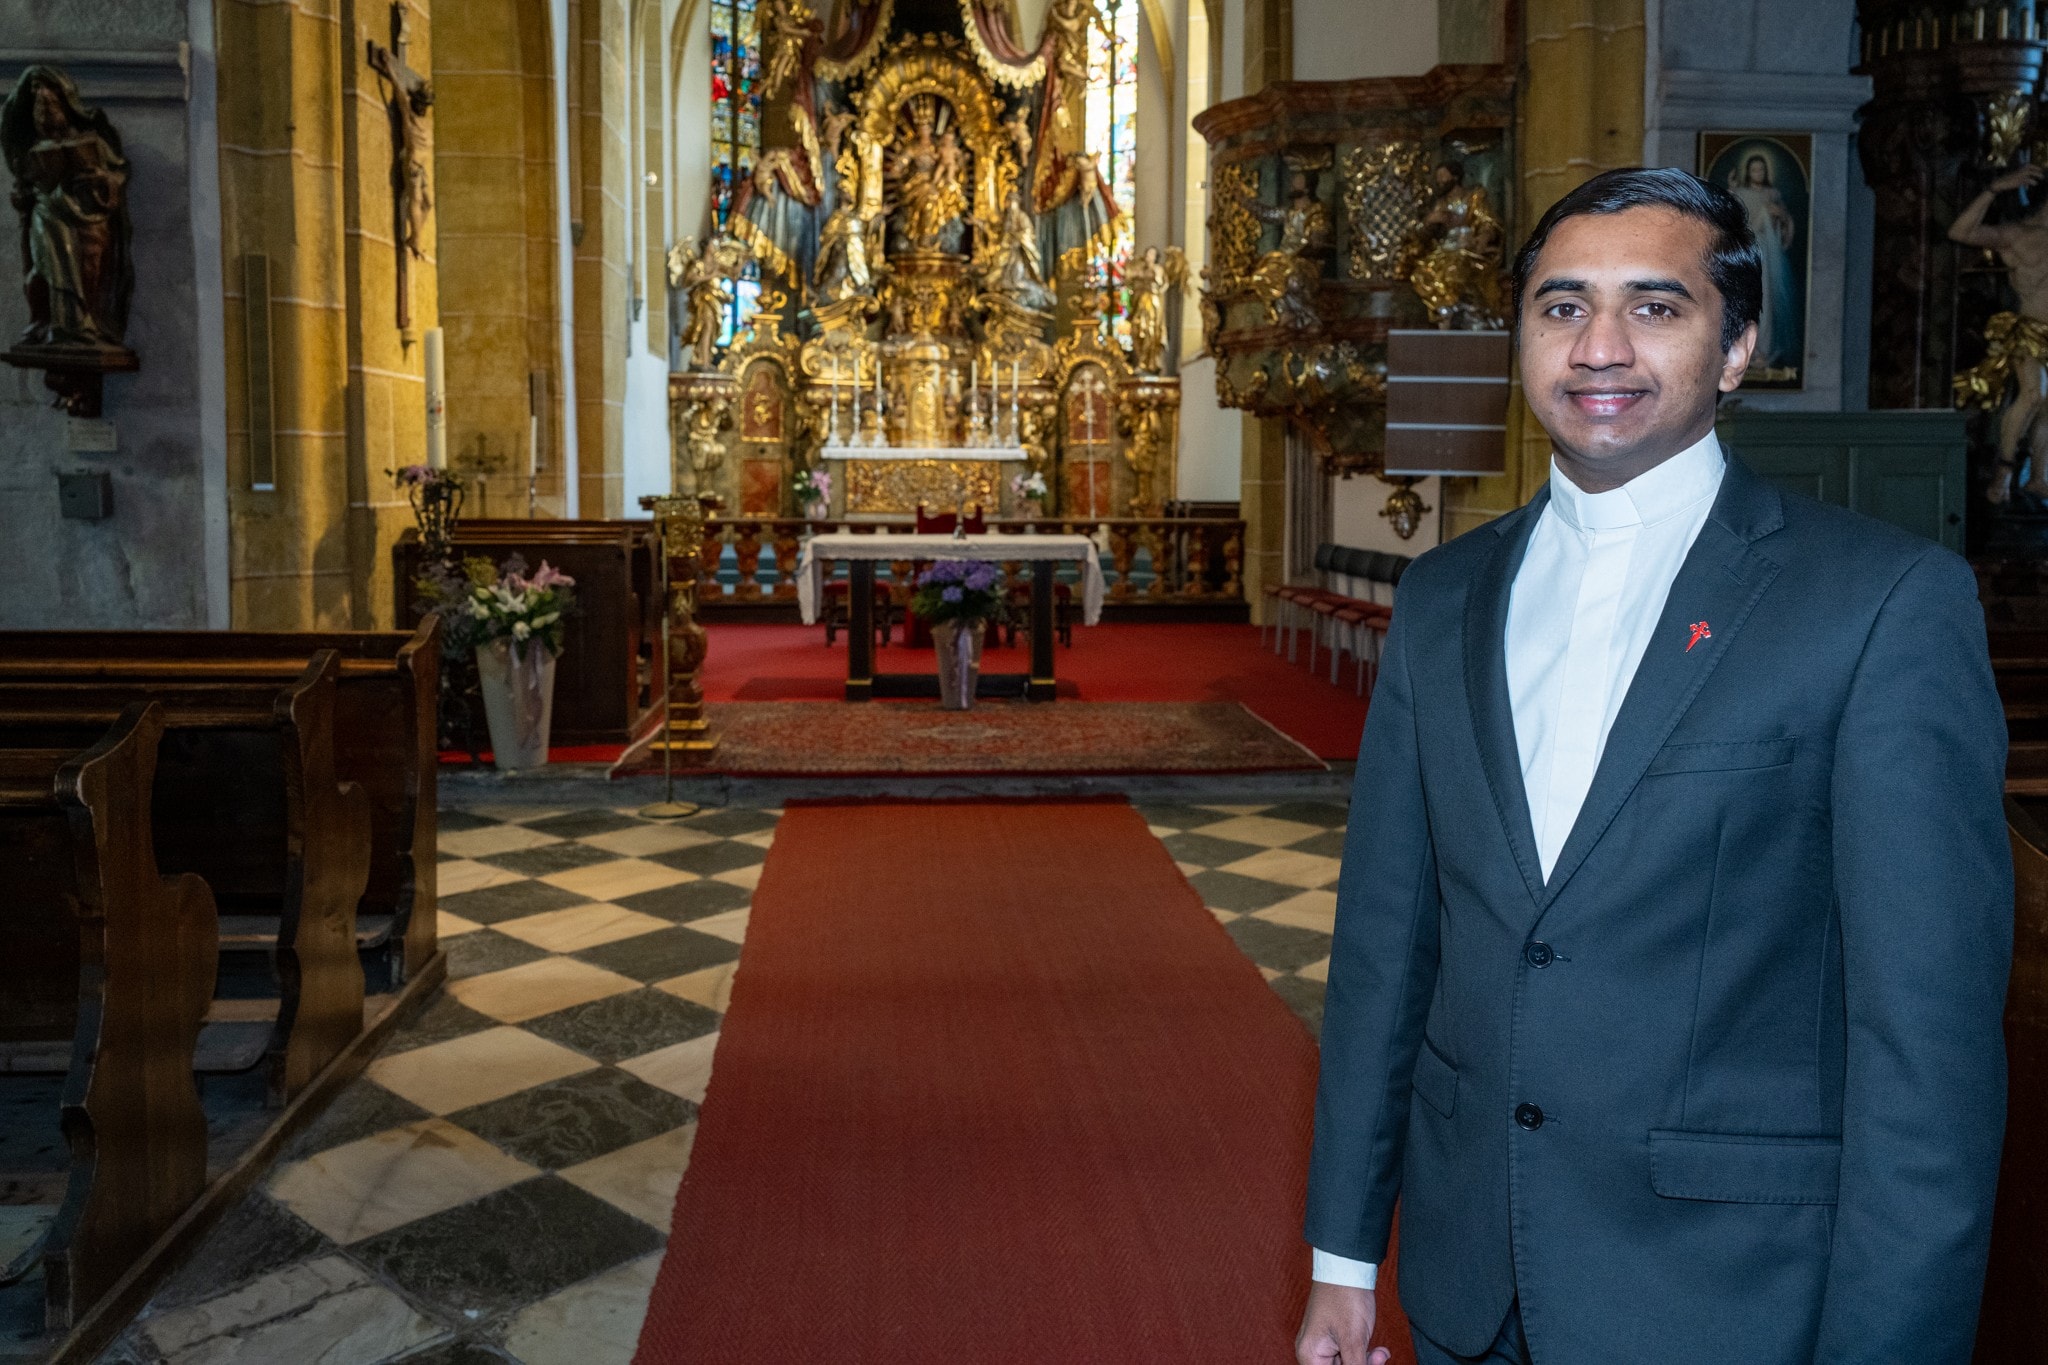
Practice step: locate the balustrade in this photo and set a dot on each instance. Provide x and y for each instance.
(1150, 560)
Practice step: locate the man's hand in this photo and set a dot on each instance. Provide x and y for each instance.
(1336, 1328)
(2026, 177)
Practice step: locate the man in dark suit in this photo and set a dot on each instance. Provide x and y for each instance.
(1676, 911)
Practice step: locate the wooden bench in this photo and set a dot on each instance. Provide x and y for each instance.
(246, 795)
(110, 970)
(607, 687)
(383, 741)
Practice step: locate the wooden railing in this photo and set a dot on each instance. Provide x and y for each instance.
(1180, 560)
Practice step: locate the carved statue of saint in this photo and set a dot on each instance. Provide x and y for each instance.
(1018, 126)
(927, 169)
(843, 270)
(1071, 21)
(787, 27)
(1149, 276)
(71, 190)
(1017, 267)
(2014, 371)
(1285, 278)
(1458, 276)
(703, 276)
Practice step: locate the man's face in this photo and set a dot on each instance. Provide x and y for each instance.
(1621, 342)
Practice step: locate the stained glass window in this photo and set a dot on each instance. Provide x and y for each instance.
(735, 130)
(1113, 122)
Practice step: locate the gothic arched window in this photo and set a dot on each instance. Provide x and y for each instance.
(1113, 125)
(735, 131)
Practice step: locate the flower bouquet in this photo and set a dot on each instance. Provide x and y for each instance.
(814, 492)
(436, 498)
(514, 624)
(959, 597)
(1030, 491)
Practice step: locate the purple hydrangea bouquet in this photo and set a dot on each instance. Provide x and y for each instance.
(960, 590)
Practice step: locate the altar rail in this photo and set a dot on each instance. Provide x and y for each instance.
(1182, 567)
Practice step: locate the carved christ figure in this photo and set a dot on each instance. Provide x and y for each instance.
(2018, 361)
(410, 101)
(70, 188)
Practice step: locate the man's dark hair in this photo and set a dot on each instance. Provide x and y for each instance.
(1733, 262)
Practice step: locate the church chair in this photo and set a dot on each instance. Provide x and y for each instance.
(837, 610)
(1293, 601)
(110, 971)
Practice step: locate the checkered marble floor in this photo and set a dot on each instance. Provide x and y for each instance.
(498, 1184)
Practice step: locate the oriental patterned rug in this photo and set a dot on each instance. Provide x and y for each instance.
(1067, 738)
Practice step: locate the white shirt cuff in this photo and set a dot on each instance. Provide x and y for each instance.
(1342, 1270)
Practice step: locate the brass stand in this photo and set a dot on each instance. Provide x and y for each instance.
(668, 808)
(685, 730)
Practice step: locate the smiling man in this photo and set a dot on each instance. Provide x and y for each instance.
(1675, 919)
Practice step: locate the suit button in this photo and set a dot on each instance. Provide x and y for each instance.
(1529, 1116)
(1538, 954)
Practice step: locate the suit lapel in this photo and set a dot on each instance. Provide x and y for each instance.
(1486, 684)
(1719, 584)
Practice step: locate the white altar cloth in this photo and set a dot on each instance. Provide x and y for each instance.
(996, 549)
(970, 454)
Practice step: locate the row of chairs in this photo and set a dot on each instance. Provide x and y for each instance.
(1347, 607)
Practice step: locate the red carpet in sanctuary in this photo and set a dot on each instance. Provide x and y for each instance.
(993, 1087)
(1165, 662)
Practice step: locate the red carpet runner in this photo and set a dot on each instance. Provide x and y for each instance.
(993, 1087)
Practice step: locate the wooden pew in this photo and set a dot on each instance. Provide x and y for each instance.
(2017, 1283)
(246, 796)
(607, 685)
(110, 969)
(384, 742)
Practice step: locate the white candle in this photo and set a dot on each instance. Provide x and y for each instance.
(533, 445)
(437, 403)
(832, 437)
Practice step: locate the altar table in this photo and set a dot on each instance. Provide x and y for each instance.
(863, 552)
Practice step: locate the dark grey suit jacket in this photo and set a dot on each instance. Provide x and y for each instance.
(1757, 1003)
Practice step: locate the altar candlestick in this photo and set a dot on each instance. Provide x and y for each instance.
(833, 438)
(437, 403)
(854, 439)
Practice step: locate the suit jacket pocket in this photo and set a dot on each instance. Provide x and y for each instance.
(1733, 1168)
(1724, 757)
(1436, 1080)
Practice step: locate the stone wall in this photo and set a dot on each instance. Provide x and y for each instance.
(160, 560)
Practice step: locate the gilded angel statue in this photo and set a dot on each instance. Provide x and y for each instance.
(1149, 277)
(704, 276)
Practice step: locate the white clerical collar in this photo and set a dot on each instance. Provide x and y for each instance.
(1652, 496)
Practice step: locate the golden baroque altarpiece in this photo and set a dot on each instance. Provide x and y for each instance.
(1340, 210)
(932, 238)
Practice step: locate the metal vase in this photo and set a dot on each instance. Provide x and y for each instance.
(958, 644)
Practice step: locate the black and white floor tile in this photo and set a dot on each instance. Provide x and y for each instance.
(497, 1186)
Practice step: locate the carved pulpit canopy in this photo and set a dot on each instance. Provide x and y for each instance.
(71, 190)
(1340, 210)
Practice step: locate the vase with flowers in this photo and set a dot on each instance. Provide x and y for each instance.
(959, 597)
(814, 493)
(514, 623)
(1029, 492)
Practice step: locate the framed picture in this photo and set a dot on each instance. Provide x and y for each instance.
(1772, 174)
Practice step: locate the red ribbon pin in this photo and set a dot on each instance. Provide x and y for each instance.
(1699, 633)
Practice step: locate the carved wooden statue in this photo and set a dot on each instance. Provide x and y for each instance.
(1150, 277)
(71, 190)
(411, 100)
(703, 277)
(2013, 376)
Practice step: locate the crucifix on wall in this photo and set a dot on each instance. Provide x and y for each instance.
(409, 100)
